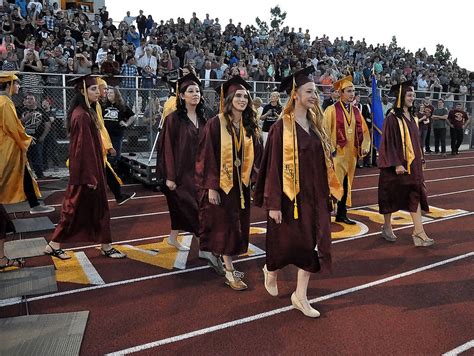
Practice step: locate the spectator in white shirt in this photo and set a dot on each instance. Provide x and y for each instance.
(422, 83)
(147, 59)
(129, 19)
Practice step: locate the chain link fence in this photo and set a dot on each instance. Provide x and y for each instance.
(44, 99)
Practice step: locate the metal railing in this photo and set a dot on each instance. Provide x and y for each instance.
(140, 136)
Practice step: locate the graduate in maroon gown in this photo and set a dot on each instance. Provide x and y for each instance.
(401, 182)
(6, 226)
(295, 184)
(85, 213)
(176, 163)
(228, 154)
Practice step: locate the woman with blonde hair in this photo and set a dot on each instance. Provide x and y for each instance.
(296, 184)
(270, 114)
(117, 117)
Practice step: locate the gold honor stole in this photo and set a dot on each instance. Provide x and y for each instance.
(408, 152)
(244, 169)
(291, 172)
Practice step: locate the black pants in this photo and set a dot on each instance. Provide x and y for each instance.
(112, 182)
(29, 189)
(427, 140)
(341, 205)
(456, 139)
(440, 137)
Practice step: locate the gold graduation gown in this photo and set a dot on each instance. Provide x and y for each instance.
(345, 160)
(14, 143)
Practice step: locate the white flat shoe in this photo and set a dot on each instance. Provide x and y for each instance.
(177, 245)
(308, 311)
(271, 289)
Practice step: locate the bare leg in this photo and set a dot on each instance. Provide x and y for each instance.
(299, 298)
(302, 285)
(173, 241)
(387, 222)
(417, 223)
(419, 236)
(228, 263)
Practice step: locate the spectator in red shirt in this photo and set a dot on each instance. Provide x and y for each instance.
(458, 120)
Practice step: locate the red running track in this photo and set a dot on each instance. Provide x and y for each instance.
(424, 308)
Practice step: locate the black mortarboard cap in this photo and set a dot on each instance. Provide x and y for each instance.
(396, 91)
(188, 79)
(300, 78)
(78, 82)
(232, 85)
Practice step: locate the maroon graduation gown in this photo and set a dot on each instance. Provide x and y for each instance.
(85, 212)
(294, 241)
(405, 191)
(176, 161)
(223, 229)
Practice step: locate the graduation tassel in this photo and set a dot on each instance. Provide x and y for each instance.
(293, 128)
(242, 200)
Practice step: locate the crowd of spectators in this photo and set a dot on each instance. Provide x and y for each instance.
(39, 38)
(36, 37)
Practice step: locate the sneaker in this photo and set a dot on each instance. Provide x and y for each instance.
(124, 198)
(41, 209)
(213, 261)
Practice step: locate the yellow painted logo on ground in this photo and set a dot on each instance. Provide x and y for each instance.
(253, 251)
(257, 230)
(345, 231)
(167, 257)
(71, 270)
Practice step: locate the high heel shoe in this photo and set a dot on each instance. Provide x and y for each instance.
(308, 311)
(422, 241)
(271, 289)
(391, 237)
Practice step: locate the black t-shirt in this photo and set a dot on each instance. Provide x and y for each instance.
(272, 117)
(112, 117)
(33, 120)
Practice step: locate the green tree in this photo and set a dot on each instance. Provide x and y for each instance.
(393, 44)
(442, 54)
(262, 25)
(277, 17)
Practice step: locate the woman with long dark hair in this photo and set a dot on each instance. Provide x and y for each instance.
(85, 213)
(228, 154)
(296, 184)
(401, 182)
(176, 161)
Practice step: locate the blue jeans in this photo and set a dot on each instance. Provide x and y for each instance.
(117, 145)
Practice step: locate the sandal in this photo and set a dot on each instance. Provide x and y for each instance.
(112, 253)
(10, 263)
(59, 253)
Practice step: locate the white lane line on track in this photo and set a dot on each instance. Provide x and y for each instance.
(273, 312)
(254, 223)
(354, 190)
(89, 269)
(152, 196)
(429, 196)
(166, 274)
(426, 181)
(428, 169)
(460, 349)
